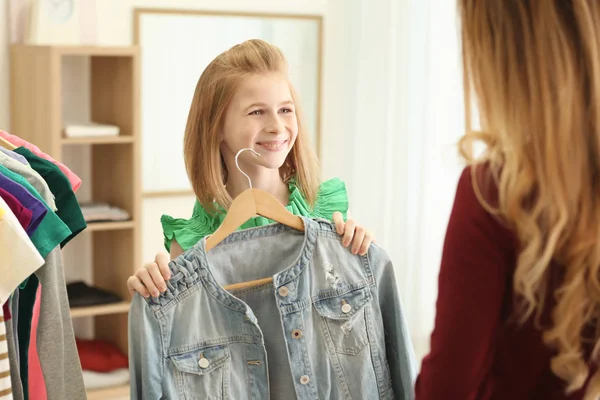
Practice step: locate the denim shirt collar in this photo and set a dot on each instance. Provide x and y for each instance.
(195, 262)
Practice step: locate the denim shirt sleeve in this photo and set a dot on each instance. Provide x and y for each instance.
(146, 359)
(399, 349)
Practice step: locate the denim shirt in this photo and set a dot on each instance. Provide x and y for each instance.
(340, 315)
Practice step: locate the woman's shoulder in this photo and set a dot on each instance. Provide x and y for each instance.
(476, 204)
(478, 185)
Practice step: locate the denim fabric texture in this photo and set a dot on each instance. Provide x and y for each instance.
(345, 335)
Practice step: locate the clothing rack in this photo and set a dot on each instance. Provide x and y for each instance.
(6, 144)
(40, 216)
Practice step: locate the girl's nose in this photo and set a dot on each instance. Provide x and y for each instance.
(275, 126)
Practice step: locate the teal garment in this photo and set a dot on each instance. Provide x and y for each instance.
(332, 197)
(66, 202)
(52, 230)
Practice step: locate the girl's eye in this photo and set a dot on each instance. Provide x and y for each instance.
(287, 110)
(256, 112)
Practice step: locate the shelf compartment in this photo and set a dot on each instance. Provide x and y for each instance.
(112, 182)
(104, 309)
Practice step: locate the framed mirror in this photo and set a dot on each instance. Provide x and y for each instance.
(176, 46)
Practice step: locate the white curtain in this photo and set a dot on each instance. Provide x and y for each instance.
(403, 115)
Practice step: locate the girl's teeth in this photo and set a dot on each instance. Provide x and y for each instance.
(272, 146)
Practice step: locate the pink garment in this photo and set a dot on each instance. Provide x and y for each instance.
(17, 141)
(37, 385)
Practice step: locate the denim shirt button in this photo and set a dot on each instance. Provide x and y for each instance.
(283, 291)
(203, 363)
(296, 333)
(304, 379)
(346, 308)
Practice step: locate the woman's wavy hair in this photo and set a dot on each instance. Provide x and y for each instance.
(534, 69)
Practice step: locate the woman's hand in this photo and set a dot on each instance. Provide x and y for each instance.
(352, 233)
(150, 279)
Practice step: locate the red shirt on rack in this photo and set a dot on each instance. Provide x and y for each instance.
(22, 213)
(477, 351)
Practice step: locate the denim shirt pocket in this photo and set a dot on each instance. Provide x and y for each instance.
(343, 320)
(203, 373)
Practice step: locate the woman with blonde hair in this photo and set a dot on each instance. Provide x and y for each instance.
(519, 285)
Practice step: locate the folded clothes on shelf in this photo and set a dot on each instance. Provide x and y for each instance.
(100, 356)
(81, 294)
(102, 380)
(102, 212)
(90, 129)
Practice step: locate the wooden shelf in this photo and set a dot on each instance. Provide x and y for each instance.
(97, 51)
(42, 79)
(109, 226)
(91, 51)
(108, 393)
(168, 193)
(106, 309)
(124, 139)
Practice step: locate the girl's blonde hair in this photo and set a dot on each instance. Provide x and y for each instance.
(534, 66)
(215, 89)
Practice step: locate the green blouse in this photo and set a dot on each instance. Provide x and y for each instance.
(332, 197)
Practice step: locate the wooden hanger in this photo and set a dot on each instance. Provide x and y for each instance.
(6, 144)
(245, 206)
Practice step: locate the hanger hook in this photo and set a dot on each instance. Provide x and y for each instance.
(238, 165)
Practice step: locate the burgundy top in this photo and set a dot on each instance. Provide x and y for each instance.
(478, 352)
(22, 213)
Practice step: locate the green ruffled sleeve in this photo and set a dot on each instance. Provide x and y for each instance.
(332, 197)
(188, 232)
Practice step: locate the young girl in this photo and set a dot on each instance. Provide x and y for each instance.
(244, 99)
(518, 309)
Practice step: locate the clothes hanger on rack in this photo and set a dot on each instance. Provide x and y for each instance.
(6, 144)
(246, 205)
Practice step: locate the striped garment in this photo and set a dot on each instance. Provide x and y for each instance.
(5, 387)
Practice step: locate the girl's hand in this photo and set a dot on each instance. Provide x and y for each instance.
(352, 233)
(150, 279)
